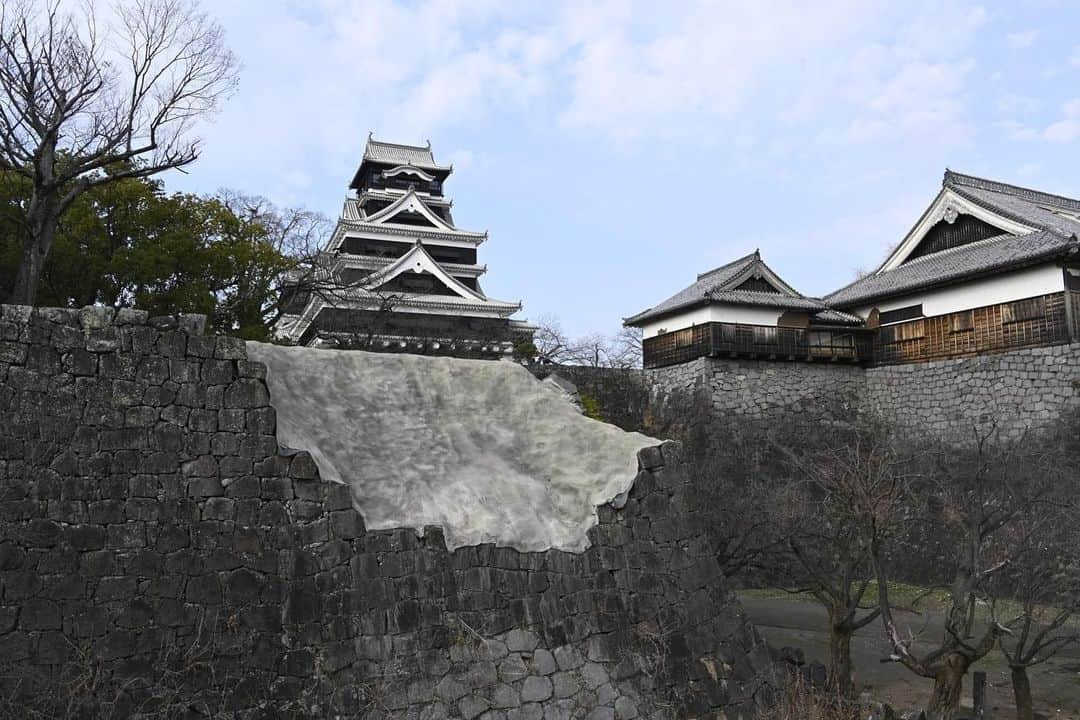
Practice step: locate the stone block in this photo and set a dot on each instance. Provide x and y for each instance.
(104, 340)
(536, 689)
(203, 590)
(249, 369)
(277, 489)
(201, 346)
(191, 323)
(218, 372)
(303, 467)
(246, 393)
(96, 317)
(85, 537)
(230, 348)
(346, 524)
(219, 508)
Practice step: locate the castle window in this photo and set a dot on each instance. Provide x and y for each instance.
(962, 321)
(1021, 310)
(765, 335)
(684, 338)
(899, 333)
(900, 314)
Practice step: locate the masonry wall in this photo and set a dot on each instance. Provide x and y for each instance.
(761, 387)
(156, 544)
(1017, 390)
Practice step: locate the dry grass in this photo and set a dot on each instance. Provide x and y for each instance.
(803, 702)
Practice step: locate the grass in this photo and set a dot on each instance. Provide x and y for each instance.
(903, 595)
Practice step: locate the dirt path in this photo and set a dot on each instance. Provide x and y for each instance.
(798, 623)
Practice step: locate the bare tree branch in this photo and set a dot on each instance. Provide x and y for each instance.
(76, 102)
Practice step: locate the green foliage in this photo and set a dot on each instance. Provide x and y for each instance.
(526, 350)
(591, 406)
(130, 244)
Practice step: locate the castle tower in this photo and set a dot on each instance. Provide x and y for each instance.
(397, 274)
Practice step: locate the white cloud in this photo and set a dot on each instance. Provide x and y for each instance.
(1018, 131)
(912, 89)
(1015, 103)
(756, 79)
(1021, 40)
(1067, 128)
(703, 65)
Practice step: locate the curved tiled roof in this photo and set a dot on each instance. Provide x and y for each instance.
(395, 154)
(1002, 252)
(720, 286)
(1056, 223)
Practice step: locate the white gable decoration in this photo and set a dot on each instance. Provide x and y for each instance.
(947, 206)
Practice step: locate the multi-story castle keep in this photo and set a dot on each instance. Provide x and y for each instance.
(397, 274)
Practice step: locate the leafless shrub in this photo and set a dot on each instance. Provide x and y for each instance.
(185, 675)
(800, 701)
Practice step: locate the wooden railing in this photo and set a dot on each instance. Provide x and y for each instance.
(757, 341)
(1032, 322)
(1044, 320)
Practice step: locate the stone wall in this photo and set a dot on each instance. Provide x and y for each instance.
(761, 387)
(156, 544)
(1016, 390)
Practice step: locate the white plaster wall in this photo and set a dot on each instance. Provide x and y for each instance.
(714, 313)
(1031, 282)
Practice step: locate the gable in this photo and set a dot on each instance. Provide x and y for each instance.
(416, 283)
(948, 207)
(409, 210)
(409, 217)
(418, 262)
(757, 284)
(963, 230)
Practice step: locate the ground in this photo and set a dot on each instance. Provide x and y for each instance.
(798, 622)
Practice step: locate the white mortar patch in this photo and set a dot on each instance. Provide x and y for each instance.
(479, 447)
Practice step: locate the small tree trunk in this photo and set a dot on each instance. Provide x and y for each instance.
(42, 223)
(840, 660)
(1022, 693)
(948, 686)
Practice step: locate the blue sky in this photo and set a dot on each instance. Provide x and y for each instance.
(613, 150)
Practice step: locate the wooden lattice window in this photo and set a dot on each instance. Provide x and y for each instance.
(1030, 309)
(900, 314)
(962, 321)
(906, 331)
(684, 338)
(765, 335)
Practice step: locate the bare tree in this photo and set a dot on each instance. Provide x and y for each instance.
(626, 348)
(81, 106)
(847, 485)
(1039, 591)
(972, 497)
(555, 346)
(550, 340)
(291, 239)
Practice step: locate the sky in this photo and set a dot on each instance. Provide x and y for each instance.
(614, 150)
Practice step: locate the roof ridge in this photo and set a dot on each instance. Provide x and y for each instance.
(702, 276)
(371, 140)
(797, 296)
(936, 255)
(953, 178)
